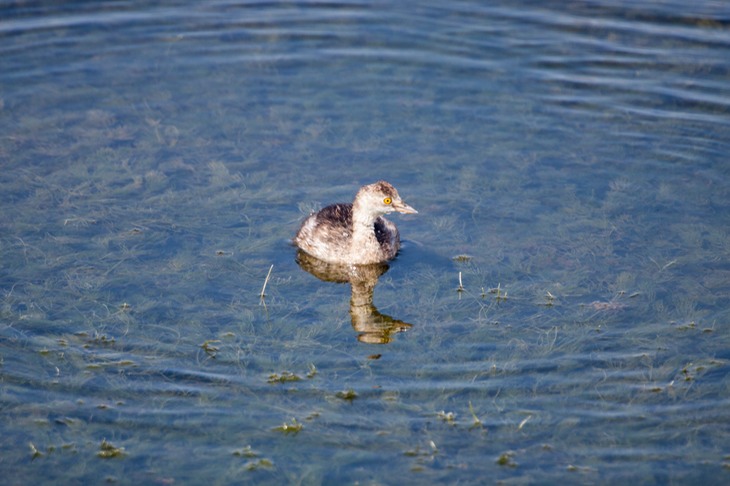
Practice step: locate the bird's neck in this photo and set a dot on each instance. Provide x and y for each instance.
(363, 229)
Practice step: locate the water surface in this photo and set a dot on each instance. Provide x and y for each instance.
(565, 280)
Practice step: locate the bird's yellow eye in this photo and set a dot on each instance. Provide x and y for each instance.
(387, 200)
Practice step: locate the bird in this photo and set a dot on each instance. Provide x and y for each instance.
(357, 233)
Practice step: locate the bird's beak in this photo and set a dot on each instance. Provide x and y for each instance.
(402, 207)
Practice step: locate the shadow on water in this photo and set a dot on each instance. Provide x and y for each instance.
(372, 327)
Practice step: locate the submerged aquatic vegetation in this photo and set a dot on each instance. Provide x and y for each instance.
(477, 422)
(283, 377)
(348, 395)
(423, 456)
(293, 427)
(448, 417)
(245, 452)
(210, 348)
(288, 376)
(111, 364)
(500, 295)
(253, 465)
(507, 459)
(35, 453)
(107, 450)
(259, 464)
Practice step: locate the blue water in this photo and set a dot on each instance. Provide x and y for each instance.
(560, 301)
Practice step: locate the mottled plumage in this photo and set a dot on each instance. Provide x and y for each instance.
(355, 233)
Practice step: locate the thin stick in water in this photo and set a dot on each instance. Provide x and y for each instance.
(263, 289)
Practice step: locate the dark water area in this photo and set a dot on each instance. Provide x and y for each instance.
(559, 309)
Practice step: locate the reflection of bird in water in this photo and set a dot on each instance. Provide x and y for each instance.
(372, 326)
(355, 233)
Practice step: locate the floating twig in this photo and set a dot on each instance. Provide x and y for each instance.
(524, 421)
(263, 289)
(460, 288)
(549, 299)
